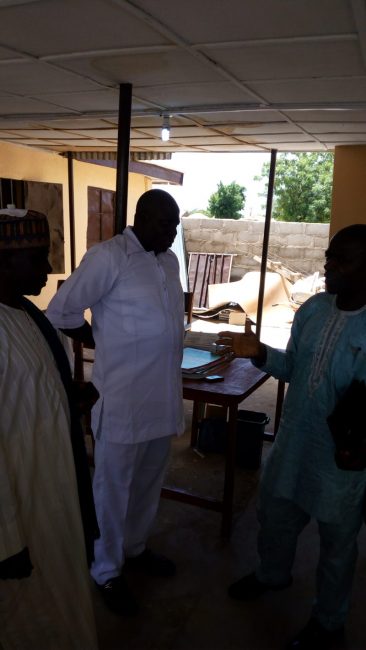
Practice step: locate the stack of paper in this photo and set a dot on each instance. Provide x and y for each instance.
(198, 363)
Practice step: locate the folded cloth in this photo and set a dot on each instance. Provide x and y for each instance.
(347, 424)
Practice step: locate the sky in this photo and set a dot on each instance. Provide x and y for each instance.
(203, 172)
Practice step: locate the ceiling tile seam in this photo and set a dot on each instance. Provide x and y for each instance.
(113, 51)
(149, 49)
(58, 116)
(310, 79)
(281, 40)
(279, 108)
(71, 93)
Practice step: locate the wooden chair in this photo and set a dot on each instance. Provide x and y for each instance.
(79, 376)
(188, 308)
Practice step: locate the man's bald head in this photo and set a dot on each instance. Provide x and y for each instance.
(156, 220)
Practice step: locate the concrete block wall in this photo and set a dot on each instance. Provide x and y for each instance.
(299, 246)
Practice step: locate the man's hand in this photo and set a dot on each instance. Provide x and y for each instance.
(245, 344)
(16, 567)
(84, 334)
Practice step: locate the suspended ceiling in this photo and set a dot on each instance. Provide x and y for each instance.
(233, 75)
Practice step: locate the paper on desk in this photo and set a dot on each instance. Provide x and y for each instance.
(198, 363)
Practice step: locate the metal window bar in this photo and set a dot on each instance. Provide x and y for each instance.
(205, 269)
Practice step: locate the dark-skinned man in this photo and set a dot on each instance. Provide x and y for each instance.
(131, 283)
(302, 478)
(47, 517)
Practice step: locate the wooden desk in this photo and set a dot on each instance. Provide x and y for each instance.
(241, 379)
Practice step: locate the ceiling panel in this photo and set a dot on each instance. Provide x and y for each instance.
(30, 78)
(72, 25)
(278, 137)
(336, 127)
(77, 123)
(99, 100)
(264, 128)
(329, 116)
(13, 105)
(195, 94)
(291, 60)
(344, 138)
(174, 67)
(111, 133)
(310, 91)
(213, 20)
(233, 75)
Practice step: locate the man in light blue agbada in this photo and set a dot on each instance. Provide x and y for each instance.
(301, 480)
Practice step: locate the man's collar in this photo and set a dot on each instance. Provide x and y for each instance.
(132, 243)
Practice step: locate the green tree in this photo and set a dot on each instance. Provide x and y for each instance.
(303, 187)
(227, 202)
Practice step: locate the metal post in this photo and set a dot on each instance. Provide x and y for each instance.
(70, 171)
(123, 156)
(267, 225)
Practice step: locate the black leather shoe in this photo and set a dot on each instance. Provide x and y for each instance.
(250, 588)
(118, 597)
(152, 564)
(316, 637)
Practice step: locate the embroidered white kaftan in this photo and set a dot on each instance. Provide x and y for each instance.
(137, 306)
(326, 351)
(39, 505)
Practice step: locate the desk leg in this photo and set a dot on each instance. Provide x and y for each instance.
(228, 498)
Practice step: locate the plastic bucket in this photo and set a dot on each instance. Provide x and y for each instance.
(249, 440)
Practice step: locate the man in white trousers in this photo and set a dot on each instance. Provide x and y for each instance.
(131, 283)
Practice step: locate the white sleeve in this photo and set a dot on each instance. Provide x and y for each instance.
(92, 280)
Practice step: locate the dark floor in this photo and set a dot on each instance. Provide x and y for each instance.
(192, 610)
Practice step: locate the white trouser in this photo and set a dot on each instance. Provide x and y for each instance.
(127, 484)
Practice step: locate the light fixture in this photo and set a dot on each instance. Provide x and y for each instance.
(165, 129)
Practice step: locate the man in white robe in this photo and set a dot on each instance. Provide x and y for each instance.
(45, 599)
(131, 283)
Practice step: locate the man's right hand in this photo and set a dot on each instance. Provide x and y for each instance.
(84, 334)
(17, 566)
(244, 344)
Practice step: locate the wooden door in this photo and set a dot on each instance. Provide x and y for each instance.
(101, 208)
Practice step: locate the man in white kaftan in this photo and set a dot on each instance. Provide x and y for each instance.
(131, 283)
(45, 599)
(301, 480)
(51, 609)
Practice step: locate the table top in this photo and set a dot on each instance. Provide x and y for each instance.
(241, 378)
